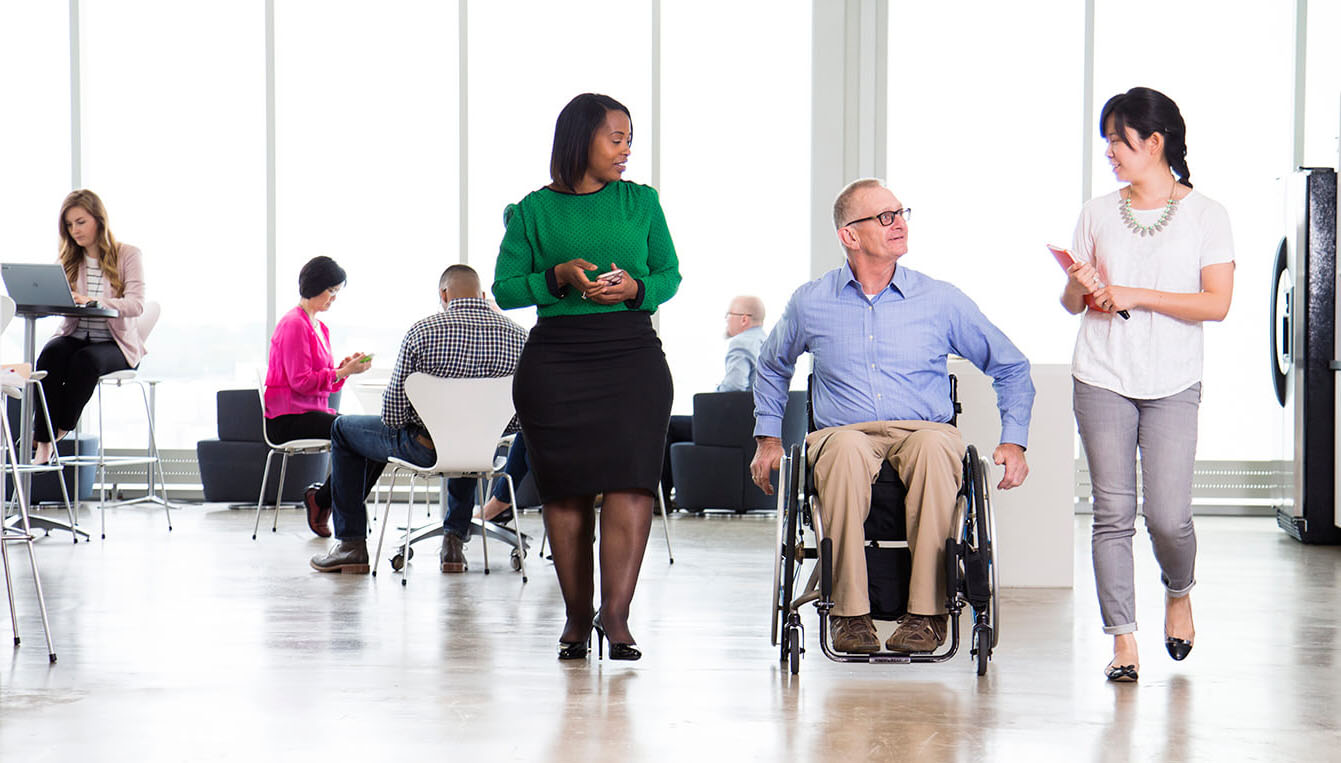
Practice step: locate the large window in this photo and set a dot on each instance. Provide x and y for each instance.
(174, 143)
(1238, 137)
(367, 161)
(735, 161)
(984, 144)
(34, 138)
(1322, 115)
(527, 59)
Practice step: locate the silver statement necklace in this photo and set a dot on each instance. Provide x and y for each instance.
(1137, 229)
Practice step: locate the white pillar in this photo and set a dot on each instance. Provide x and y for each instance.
(848, 110)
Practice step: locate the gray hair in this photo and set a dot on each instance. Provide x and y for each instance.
(844, 200)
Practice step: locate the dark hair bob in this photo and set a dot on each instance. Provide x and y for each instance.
(1148, 112)
(573, 129)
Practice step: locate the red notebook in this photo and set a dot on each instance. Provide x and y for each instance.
(1065, 259)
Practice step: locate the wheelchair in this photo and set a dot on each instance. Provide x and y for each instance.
(971, 574)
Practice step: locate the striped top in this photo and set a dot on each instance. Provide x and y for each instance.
(93, 329)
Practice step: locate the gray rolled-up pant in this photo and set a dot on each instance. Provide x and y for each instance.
(1112, 429)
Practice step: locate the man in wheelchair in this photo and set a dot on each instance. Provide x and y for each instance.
(879, 334)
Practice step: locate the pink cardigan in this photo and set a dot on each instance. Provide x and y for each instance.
(301, 376)
(125, 329)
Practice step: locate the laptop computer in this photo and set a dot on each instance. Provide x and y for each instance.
(30, 284)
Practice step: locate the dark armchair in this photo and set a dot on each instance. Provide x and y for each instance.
(231, 466)
(713, 472)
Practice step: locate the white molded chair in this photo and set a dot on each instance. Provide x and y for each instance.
(150, 460)
(464, 418)
(22, 531)
(15, 388)
(305, 446)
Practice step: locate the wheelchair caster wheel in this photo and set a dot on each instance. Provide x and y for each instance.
(982, 647)
(795, 638)
(515, 558)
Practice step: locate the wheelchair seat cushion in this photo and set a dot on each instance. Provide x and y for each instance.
(887, 518)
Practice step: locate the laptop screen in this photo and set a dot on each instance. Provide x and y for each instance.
(30, 284)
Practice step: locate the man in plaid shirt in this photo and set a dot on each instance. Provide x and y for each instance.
(467, 339)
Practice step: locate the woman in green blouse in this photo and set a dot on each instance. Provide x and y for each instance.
(592, 390)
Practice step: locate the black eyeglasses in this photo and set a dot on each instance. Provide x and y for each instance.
(887, 218)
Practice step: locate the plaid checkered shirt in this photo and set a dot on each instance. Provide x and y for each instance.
(468, 340)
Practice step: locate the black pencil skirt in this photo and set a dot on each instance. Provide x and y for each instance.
(593, 395)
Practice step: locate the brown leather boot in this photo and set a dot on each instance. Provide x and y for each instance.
(854, 635)
(452, 557)
(348, 556)
(918, 633)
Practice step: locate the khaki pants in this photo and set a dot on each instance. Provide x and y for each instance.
(928, 457)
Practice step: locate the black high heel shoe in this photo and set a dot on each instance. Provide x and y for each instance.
(1178, 648)
(574, 650)
(618, 651)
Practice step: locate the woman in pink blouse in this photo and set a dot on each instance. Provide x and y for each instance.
(303, 373)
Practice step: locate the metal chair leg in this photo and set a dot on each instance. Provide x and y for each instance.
(386, 520)
(409, 525)
(516, 525)
(101, 472)
(665, 524)
(154, 467)
(279, 492)
(9, 585)
(28, 540)
(484, 531)
(265, 476)
(56, 458)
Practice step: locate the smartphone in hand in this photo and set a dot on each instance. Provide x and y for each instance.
(613, 278)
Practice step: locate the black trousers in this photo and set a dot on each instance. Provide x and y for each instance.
(73, 367)
(309, 425)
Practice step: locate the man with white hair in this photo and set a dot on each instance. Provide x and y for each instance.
(878, 334)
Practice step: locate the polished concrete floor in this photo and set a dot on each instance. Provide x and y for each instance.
(201, 644)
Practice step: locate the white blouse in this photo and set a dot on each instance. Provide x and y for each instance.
(1151, 355)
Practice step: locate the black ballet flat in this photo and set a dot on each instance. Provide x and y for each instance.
(574, 650)
(1178, 648)
(618, 651)
(1120, 673)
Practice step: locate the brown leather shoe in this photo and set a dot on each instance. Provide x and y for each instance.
(452, 557)
(918, 633)
(317, 517)
(348, 556)
(854, 635)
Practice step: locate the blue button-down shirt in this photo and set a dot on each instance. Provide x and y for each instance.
(884, 358)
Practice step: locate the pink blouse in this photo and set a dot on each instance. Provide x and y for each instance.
(301, 376)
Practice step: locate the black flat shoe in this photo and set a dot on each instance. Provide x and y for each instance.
(1120, 673)
(618, 651)
(1178, 648)
(574, 650)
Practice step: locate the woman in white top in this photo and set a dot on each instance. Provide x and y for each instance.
(1163, 253)
(103, 272)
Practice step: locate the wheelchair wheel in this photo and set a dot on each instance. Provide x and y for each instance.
(988, 531)
(789, 561)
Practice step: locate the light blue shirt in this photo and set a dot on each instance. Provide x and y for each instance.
(883, 359)
(742, 353)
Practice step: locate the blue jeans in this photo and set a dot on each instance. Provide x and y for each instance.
(360, 447)
(461, 491)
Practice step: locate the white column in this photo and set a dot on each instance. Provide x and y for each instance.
(848, 110)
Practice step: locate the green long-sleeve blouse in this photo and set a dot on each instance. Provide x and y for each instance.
(621, 223)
